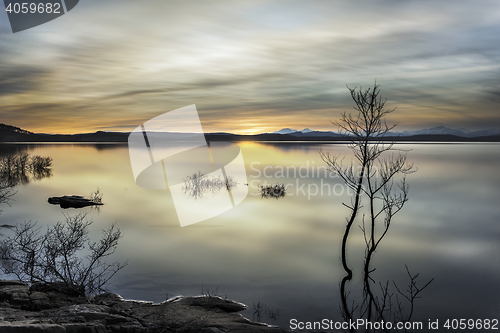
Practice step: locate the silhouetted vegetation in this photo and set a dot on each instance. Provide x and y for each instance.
(6, 192)
(375, 180)
(18, 169)
(199, 184)
(21, 168)
(262, 311)
(96, 196)
(272, 191)
(64, 254)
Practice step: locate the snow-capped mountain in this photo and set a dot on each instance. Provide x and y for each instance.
(285, 131)
(289, 131)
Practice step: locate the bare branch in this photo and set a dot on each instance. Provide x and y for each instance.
(57, 255)
(382, 182)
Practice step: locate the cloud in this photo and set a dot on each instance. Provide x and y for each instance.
(254, 61)
(19, 79)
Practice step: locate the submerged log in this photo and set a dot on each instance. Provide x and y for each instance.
(73, 201)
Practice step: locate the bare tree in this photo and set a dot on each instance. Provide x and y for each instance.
(375, 179)
(63, 254)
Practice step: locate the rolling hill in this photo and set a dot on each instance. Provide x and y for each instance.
(10, 133)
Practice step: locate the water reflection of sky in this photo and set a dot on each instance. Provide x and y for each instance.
(285, 252)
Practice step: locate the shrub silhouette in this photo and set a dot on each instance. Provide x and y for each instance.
(64, 254)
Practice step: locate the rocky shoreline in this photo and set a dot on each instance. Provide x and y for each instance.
(44, 308)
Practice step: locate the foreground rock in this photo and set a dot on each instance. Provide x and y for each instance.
(24, 309)
(73, 201)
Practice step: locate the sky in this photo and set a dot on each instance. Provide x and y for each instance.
(252, 66)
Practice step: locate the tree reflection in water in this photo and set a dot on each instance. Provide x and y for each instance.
(381, 186)
(21, 168)
(199, 184)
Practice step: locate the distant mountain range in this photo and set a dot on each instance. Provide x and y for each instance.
(438, 130)
(10, 133)
(458, 132)
(290, 131)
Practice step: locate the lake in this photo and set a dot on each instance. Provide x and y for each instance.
(285, 253)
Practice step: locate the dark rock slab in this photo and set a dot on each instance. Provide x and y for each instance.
(73, 201)
(16, 294)
(30, 327)
(39, 296)
(60, 287)
(42, 309)
(12, 283)
(212, 302)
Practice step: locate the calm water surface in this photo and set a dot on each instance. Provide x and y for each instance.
(285, 253)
